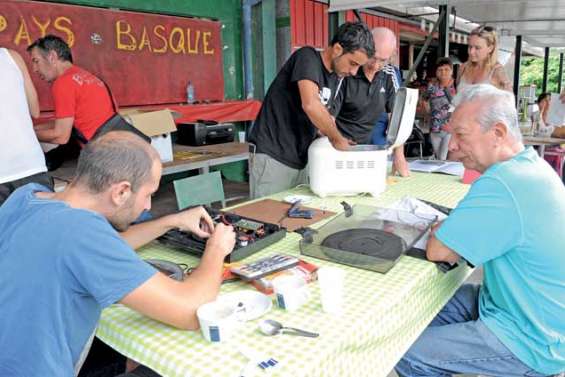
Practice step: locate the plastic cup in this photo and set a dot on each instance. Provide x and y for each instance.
(291, 292)
(218, 321)
(331, 281)
(241, 136)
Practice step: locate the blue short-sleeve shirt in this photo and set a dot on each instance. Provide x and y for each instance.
(59, 267)
(512, 221)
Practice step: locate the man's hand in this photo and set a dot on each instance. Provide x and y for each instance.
(562, 96)
(222, 239)
(436, 251)
(341, 143)
(399, 164)
(195, 220)
(175, 302)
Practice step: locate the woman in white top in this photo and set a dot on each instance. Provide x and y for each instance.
(482, 66)
(21, 158)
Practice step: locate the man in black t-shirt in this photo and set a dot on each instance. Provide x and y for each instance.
(368, 94)
(298, 104)
(361, 100)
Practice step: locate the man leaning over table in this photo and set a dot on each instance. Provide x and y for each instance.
(298, 106)
(512, 223)
(62, 260)
(369, 94)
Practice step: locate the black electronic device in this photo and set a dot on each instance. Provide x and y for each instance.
(205, 133)
(443, 209)
(171, 269)
(251, 236)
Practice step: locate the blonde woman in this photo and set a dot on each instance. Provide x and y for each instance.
(482, 67)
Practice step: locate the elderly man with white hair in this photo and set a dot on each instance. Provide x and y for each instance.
(369, 94)
(511, 222)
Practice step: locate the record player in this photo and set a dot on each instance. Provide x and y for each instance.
(251, 236)
(366, 237)
(205, 132)
(362, 168)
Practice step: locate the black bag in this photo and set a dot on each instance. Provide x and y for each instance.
(418, 144)
(115, 123)
(118, 123)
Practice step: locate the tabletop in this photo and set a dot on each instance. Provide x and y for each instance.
(203, 157)
(185, 158)
(542, 142)
(538, 140)
(383, 315)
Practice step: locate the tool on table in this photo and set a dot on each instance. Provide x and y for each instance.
(271, 327)
(296, 213)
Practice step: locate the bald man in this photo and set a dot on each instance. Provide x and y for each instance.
(62, 260)
(368, 94)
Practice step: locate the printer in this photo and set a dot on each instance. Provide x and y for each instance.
(204, 132)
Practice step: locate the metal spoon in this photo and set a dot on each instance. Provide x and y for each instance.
(271, 327)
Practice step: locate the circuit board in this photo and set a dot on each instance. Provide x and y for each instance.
(251, 236)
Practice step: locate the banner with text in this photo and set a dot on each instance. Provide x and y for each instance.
(144, 58)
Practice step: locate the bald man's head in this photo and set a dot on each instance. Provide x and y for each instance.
(385, 46)
(114, 157)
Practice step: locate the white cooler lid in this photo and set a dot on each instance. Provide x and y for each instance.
(402, 119)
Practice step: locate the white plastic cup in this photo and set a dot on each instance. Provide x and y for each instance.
(241, 136)
(331, 281)
(291, 292)
(218, 321)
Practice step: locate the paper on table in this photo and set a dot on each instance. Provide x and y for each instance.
(436, 166)
(412, 211)
(556, 114)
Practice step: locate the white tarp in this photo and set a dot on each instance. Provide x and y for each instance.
(540, 22)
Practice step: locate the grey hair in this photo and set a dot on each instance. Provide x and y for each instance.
(114, 157)
(497, 106)
(383, 34)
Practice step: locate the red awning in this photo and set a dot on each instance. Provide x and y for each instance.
(229, 111)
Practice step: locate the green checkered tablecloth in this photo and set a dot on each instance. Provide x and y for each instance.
(384, 313)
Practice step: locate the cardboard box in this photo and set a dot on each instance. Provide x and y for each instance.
(158, 125)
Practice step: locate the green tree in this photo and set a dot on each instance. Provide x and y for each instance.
(531, 72)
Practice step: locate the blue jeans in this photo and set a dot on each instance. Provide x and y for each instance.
(457, 341)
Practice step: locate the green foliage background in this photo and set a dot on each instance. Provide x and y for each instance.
(531, 72)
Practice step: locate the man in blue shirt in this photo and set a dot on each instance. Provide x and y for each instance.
(512, 223)
(62, 261)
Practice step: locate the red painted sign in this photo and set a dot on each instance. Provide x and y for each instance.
(144, 58)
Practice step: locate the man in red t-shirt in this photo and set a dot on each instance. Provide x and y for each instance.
(81, 99)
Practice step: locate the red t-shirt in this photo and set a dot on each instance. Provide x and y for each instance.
(78, 93)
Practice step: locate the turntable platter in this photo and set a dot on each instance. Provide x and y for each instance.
(366, 241)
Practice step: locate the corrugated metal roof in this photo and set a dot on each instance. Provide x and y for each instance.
(541, 23)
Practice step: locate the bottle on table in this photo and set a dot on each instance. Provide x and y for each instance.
(190, 93)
